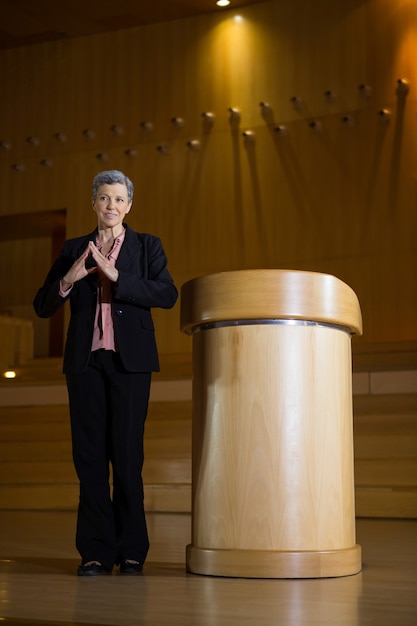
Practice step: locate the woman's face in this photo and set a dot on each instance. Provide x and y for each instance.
(111, 205)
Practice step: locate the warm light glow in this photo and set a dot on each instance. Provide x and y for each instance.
(223, 3)
(9, 374)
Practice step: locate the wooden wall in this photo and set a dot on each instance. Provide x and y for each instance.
(340, 200)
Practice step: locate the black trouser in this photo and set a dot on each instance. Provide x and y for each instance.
(108, 408)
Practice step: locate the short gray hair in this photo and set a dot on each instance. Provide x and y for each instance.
(111, 177)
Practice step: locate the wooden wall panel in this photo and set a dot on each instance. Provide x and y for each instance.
(340, 201)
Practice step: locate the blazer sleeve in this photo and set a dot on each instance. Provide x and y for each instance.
(47, 300)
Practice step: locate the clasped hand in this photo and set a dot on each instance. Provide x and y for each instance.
(79, 270)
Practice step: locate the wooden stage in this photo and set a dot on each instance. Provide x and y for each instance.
(38, 495)
(39, 586)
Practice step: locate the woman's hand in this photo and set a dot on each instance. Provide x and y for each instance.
(78, 270)
(103, 263)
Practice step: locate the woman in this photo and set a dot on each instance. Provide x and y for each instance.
(112, 277)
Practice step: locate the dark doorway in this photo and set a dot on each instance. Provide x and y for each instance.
(41, 224)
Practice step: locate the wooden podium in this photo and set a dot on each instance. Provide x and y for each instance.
(273, 484)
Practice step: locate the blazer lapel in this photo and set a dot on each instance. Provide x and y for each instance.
(131, 248)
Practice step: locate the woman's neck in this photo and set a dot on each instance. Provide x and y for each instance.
(106, 235)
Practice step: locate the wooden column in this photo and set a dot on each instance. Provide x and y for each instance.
(273, 484)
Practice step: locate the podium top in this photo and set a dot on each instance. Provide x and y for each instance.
(269, 294)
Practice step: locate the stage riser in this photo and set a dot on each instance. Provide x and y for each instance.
(36, 471)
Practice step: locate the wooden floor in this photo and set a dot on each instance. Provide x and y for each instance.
(38, 585)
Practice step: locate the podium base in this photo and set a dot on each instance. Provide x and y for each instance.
(274, 563)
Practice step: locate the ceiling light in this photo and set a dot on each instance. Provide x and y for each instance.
(223, 3)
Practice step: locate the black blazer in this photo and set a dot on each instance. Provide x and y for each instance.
(144, 282)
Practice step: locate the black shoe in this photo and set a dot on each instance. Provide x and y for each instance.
(93, 569)
(130, 567)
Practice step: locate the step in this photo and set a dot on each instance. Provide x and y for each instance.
(35, 433)
(45, 414)
(60, 431)
(32, 472)
(384, 356)
(401, 423)
(155, 471)
(372, 404)
(385, 445)
(49, 370)
(24, 414)
(386, 472)
(160, 448)
(64, 497)
(35, 451)
(386, 502)
(370, 501)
